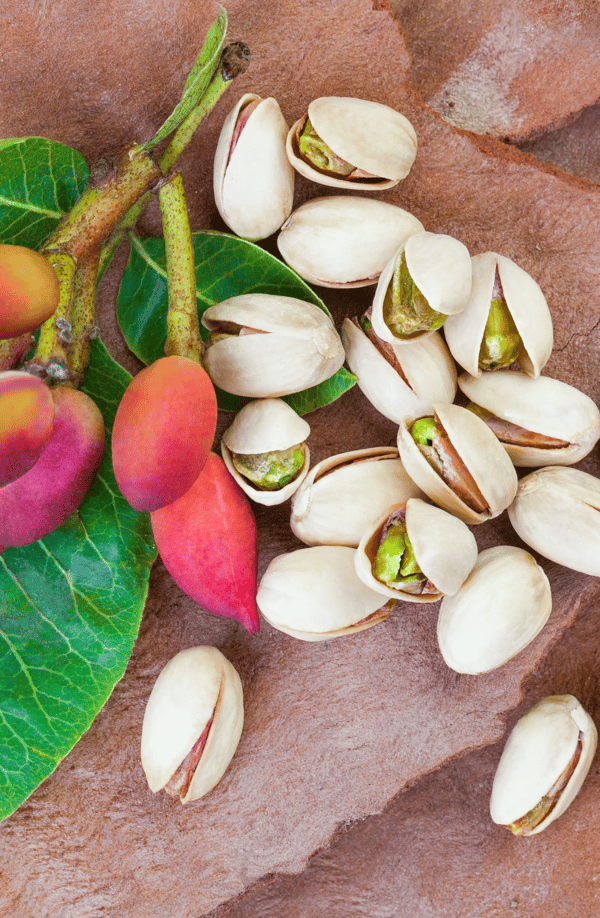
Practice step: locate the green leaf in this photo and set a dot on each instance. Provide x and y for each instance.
(70, 609)
(226, 266)
(40, 180)
(197, 81)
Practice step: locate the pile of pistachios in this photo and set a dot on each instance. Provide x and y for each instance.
(384, 524)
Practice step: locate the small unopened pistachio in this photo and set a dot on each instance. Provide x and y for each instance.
(192, 723)
(543, 766)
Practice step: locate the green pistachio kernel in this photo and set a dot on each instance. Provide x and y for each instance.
(316, 151)
(501, 340)
(395, 559)
(406, 312)
(270, 471)
(424, 430)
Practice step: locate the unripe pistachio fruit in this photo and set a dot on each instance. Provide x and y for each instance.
(543, 766)
(352, 143)
(29, 290)
(192, 723)
(253, 180)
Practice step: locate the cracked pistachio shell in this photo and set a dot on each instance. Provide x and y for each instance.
(544, 406)
(342, 494)
(296, 347)
(440, 266)
(480, 451)
(557, 513)
(370, 136)
(540, 749)
(429, 373)
(344, 241)
(196, 685)
(500, 608)
(444, 548)
(526, 304)
(264, 426)
(254, 186)
(314, 594)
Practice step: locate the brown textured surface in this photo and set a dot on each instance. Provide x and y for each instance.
(333, 731)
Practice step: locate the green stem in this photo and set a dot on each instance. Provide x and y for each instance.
(13, 350)
(50, 357)
(83, 317)
(183, 331)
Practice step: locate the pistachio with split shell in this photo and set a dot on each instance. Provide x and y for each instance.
(459, 463)
(400, 381)
(314, 594)
(343, 494)
(253, 180)
(426, 280)
(264, 450)
(543, 765)
(557, 513)
(265, 346)
(500, 608)
(539, 421)
(344, 241)
(416, 552)
(352, 143)
(506, 320)
(192, 723)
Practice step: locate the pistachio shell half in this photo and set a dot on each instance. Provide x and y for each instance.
(343, 494)
(539, 421)
(263, 447)
(253, 180)
(314, 594)
(344, 241)
(506, 319)
(500, 608)
(443, 553)
(557, 513)
(192, 723)
(352, 143)
(465, 470)
(267, 345)
(544, 764)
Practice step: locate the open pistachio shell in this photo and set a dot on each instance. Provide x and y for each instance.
(314, 594)
(197, 696)
(478, 450)
(408, 381)
(285, 345)
(444, 549)
(557, 513)
(372, 137)
(527, 307)
(253, 182)
(344, 241)
(440, 266)
(264, 426)
(342, 494)
(544, 407)
(500, 608)
(544, 764)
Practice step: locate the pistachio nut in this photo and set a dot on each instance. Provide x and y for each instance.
(416, 552)
(344, 241)
(343, 494)
(458, 462)
(314, 594)
(400, 381)
(506, 320)
(264, 450)
(556, 512)
(192, 723)
(543, 765)
(427, 279)
(265, 346)
(253, 180)
(500, 608)
(352, 143)
(539, 421)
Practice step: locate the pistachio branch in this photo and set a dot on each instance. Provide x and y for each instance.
(14, 350)
(56, 333)
(83, 317)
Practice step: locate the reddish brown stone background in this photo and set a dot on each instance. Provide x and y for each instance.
(335, 733)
